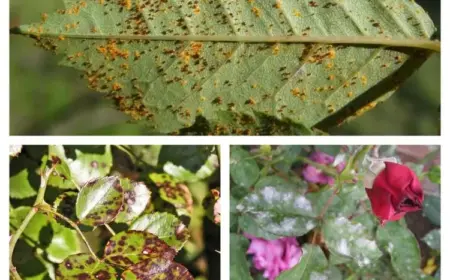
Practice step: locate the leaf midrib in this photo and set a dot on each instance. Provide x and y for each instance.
(341, 40)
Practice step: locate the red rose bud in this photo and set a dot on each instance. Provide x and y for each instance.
(396, 190)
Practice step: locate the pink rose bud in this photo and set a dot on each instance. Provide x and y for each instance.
(317, 176)
(395, 191)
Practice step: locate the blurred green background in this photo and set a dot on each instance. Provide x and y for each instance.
(47, 99)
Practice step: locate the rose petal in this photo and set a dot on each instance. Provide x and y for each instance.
(389, 180)
(321, 158)
(314, 175)
(274, 256)
(380, 200)
(416, 188)
(399, 176)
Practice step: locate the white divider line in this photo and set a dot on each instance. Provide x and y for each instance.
(225, 211)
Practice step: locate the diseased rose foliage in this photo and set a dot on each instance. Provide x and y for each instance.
(115, 210)
(316, 196)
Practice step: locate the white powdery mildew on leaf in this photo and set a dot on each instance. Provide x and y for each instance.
(318, 276)
(253, 198)
(141, 197)
(270, 194)
(263, 216)
(288, 224)
(343, 247)
(302, 203)
(366, 244)
(81, 174)
(390, 247)
(240, 207)
(310, 225)
(249, 203)
(340, 221)
(356, 228)
(362, 261)
(287, 196)
(351, 240)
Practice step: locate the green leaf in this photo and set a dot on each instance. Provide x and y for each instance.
(182, 174)
(207, 169)
(65, 204)
(179, 172)
(20, 186)
(290, 61)
(83, 266)
(191, 158)
(336, 259)
(343, 204)
(239, 268)
(131, 247)
(136, 196)
(349, 198)
(62, 242)
(57, 155)
(99, 201)
(249, 225)
(350, 240)
(164, 225)
(83, 169)
(312, 261)
(368, 220)
(288, 155)
(57, 241)
(432, 209)
(244, 170)
(157, 269)
(147, 153)
(90, 166)
(331, 150)
(174, 192)
(275, 181)
(279, 210)
(31, 264)
(433, 239)
(401, 244)
(434, 174)
(23, 179)
(379, 269)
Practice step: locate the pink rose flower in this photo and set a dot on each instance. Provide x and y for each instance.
(317, 176)
(274, 256)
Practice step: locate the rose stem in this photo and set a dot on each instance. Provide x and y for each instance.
(15, 237)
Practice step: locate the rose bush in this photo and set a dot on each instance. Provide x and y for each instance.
(396, 191)
(114, 212)
(317, 195)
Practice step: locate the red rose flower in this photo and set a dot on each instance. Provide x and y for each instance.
(396, 190)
